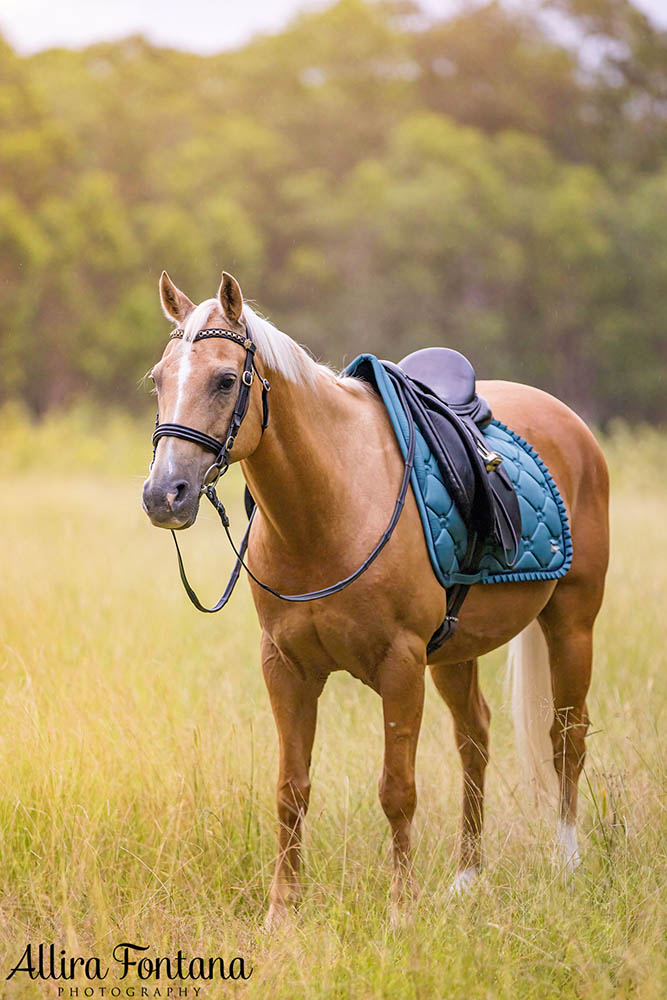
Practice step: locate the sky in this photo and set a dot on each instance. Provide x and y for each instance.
(197, 25)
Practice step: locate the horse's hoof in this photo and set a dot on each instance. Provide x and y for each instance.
(569, 870)
(569, 848)
(403, 903)
(276, 917)
(572, 862)
(463, 881)
(401, 915)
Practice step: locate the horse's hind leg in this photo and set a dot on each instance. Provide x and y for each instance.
(294, 703)
(570, 642)
(567, 623)
(459, 686)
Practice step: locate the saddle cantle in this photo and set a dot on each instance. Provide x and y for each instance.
(444, 371)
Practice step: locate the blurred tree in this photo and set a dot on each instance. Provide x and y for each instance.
(625, 79)
(377, 179)
(495, 68)
(630, 323)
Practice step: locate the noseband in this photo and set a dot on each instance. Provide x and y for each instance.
(221, 450)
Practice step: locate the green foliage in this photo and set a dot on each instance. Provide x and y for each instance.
(377, 181)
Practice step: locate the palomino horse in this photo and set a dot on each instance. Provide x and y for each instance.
(325, 475)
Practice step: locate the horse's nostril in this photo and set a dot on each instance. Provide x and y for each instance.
(168, 501)
(178, 494)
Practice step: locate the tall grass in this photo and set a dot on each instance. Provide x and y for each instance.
(138, 758)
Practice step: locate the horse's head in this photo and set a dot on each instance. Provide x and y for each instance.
(197, 384)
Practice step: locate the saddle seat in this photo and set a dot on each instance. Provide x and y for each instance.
(446, 372)
(449, 375)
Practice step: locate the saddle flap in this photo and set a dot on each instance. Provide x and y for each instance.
(457, 471)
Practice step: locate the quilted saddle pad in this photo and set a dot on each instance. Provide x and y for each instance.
(545, 549)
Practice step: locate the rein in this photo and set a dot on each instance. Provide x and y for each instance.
(218, 468)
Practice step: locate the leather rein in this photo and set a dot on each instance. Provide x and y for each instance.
(221, 450)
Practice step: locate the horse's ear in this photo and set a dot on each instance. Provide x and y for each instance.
(230, 297)
(175, 304)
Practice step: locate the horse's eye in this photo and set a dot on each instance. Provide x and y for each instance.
(225, 382)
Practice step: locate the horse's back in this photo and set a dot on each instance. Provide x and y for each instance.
(562, 439)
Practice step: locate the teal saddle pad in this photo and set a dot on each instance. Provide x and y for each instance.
(545, 549)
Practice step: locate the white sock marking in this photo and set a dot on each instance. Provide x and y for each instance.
(463, 881)
(567, 837)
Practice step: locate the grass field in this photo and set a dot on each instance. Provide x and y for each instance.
(138, 758)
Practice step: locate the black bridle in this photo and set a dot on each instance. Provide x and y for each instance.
(221, 449)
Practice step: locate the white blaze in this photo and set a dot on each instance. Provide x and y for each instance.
(184, 369)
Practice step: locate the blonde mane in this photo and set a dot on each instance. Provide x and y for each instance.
(279, 352)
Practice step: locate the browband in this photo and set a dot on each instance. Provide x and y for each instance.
(216, 331)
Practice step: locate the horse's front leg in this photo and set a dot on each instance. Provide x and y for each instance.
(294, 703)
(459, 686)
(401, 685)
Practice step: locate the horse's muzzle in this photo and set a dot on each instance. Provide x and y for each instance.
(170, 502)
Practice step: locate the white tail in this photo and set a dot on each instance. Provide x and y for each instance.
(532, 709)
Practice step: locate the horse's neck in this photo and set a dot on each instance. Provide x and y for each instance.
(304, 471)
